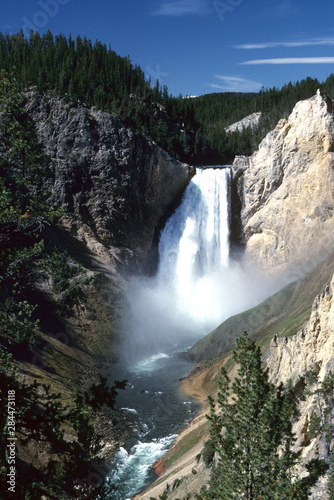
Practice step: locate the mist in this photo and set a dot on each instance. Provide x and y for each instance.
(163, 318)
(197, 285)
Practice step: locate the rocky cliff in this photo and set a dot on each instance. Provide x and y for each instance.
(312, 346)
(116, 187)
(294, 358)
(286, 190)
(115, 190)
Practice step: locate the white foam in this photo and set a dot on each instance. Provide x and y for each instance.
(132, 467)
(130, 410)
(149, 364)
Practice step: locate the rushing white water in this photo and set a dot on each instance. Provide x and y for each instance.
(196, 287)
(194, 245)
(148, 364)
(133, 466)
(159, 408)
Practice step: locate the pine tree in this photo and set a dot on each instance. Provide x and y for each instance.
(322, 420)
(23, 165)
(23, 215)
(252, 435)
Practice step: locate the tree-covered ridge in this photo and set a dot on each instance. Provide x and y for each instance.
(192, 130)
(215, 112)
(94, 75)
(226, 108)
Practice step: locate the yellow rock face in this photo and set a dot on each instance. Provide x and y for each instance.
(288, 193)
(312, 348)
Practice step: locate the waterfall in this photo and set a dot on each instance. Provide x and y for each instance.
(194, 245)
(192, 291)
(195, 240)
(197, 285)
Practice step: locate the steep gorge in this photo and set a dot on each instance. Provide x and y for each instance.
(114, 190)
(283, 199)
(117, 189)
(285, 191)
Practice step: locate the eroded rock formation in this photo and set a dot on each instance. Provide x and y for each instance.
(287, 189)
(249, 121)
(294, 358)
(117, 187)
(311, 347)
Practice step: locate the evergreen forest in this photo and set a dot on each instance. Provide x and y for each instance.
(191, 129)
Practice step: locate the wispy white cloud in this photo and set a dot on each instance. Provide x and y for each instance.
(271, 45)
(182, 8)
(291, 60)
(235, 84)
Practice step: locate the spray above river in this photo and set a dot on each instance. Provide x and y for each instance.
(196, 287)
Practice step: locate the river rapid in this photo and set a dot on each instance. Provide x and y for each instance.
(161, 409)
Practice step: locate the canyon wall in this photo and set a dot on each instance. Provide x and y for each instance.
(311, 350)
(286, 190)
(117, 188)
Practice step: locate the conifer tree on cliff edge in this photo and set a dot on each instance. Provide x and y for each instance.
(252, 436)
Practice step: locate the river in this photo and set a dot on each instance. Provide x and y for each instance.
(196, 287)
(154, 395)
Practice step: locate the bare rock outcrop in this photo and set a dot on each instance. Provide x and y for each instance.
(310, 350)
(312, 346)
(249, 121)
(116, 187)
(287, 188)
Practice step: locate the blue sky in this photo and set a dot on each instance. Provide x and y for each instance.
(197, 46)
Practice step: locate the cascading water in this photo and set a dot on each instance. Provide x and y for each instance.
(194, 245)
(187, 295)
(195, 289)
(197, 235)
(167, 316)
